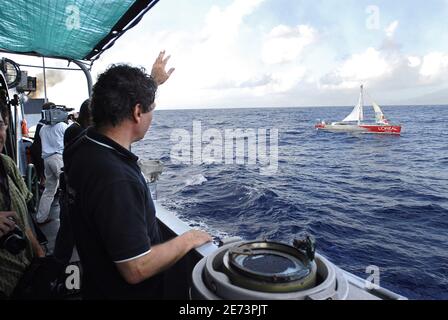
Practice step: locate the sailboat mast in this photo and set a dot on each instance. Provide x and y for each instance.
(361, 107)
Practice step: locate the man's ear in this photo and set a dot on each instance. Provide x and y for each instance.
(137, 113)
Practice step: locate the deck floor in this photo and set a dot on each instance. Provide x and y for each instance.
(51, 230)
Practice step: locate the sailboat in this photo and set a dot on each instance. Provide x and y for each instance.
(354, 122)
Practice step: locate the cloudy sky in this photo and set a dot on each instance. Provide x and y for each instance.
(286, 53)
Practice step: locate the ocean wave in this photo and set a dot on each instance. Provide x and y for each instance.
(195, 180)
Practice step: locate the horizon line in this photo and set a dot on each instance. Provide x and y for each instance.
(299, 107)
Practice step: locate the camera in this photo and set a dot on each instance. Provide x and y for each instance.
(55, 114)
(14, 242)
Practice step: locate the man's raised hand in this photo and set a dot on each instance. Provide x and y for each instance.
(158, 72)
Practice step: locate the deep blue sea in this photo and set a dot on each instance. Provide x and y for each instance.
(367, 199)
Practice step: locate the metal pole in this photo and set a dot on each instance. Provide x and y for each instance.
(18, 134)
(87, 74)
(45, 80)
(50, 68)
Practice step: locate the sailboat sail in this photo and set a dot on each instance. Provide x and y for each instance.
(357, 113)
(379, 115)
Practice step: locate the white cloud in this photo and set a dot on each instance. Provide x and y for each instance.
(434, 64)
(285, 44)
(281, 81)
(398, 76)
(359, 68)
(222, 25)
(414, 61)
(364, 66)
(217, 50)
(215, 65)
(210, 62)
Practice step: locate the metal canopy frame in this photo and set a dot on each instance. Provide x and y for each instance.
(128, 21)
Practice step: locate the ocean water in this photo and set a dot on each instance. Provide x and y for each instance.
(367, 199)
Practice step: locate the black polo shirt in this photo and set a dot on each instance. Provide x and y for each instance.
(112, 214)
(72, 132)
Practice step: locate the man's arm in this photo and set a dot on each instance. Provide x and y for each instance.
(161, 256)
(18, 179)
(37, 248)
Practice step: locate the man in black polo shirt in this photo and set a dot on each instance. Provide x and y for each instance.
(110, 207)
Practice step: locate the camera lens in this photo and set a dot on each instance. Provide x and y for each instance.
(13, 242)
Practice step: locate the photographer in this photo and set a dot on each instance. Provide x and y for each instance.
(36, 147)
(18, 245)
(52, 137)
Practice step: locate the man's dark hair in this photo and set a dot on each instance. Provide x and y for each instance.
(116, 93)
(85, 114)
(4, 111)
(48, 105)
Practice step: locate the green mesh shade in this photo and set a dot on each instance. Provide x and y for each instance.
(60, 28)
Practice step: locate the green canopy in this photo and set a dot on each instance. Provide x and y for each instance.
(72, 29)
